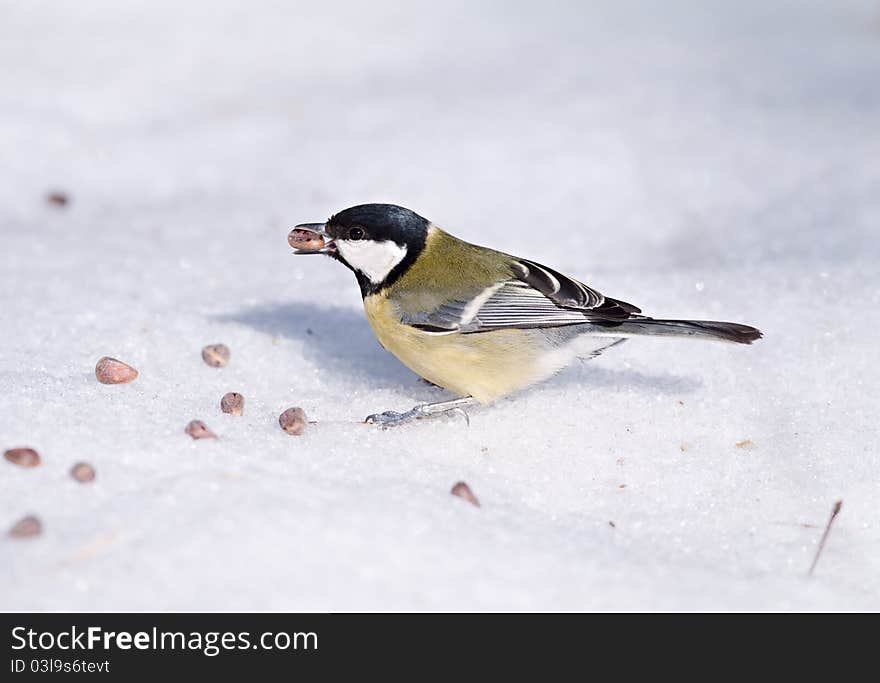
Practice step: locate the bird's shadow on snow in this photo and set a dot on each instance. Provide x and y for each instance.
(591, 373)
(340, 340)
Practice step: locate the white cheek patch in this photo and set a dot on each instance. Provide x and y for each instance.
(373, 259)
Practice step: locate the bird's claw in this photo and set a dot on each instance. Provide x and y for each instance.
(460, 411)
(391, 418)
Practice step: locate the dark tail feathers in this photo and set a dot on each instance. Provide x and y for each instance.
(705, 329)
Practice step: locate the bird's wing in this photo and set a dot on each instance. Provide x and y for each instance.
(535, 296)
(568, 293)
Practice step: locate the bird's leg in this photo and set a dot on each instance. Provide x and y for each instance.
(391, 418)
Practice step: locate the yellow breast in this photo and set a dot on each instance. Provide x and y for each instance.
(487, 365)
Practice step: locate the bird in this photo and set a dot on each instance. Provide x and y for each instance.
(477, 322)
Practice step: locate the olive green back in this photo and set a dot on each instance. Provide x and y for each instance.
(436, 279)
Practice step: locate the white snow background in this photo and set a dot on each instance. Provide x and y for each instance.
(699, 159)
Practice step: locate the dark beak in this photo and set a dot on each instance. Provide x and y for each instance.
(311, 238)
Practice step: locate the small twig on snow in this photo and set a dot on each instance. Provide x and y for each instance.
(834, 511)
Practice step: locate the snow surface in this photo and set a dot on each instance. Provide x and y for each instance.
(701, 159)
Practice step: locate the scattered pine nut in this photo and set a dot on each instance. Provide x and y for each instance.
(113, 371)
(26, 527)
(59, 199)
(83, 472)
(23, 457)
(293, 421)
(232, 403)
(464, 492)
(199, 430)
(216, 355)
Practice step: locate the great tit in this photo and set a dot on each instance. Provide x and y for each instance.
(478, 322)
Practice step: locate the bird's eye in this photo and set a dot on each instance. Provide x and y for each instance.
(355, 234)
